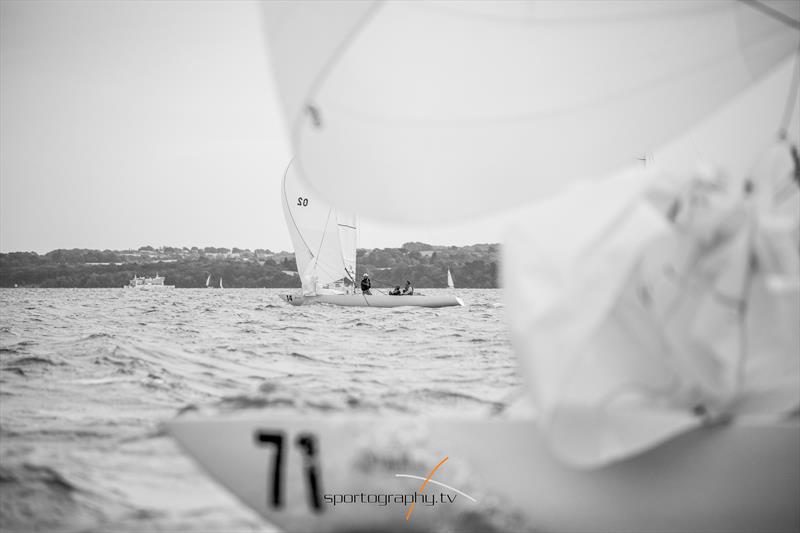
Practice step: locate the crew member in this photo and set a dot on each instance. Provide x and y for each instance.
(395, 291)
(366, 284)
(409, 290)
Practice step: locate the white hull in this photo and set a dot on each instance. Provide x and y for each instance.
(740, 477)
(375, 300)
(149, 287)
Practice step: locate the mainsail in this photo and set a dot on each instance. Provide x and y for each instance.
(324, 239)
(450, 280)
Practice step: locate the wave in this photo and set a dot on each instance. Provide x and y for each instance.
(298, 355)
(443, 396)
(243, 401)
(32, 360)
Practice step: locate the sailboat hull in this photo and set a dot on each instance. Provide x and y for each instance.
(376, 300)
(740, 477)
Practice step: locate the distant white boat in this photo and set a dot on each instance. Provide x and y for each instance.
(220, 282)
(143, 283)
(450, 280)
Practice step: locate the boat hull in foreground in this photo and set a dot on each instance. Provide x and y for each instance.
(376, 300)
(739, 477)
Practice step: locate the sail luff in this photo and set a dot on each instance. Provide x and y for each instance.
(314, 226)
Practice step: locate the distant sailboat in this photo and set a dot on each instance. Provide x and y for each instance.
(450, 280)
(324, 240)
(208, 283)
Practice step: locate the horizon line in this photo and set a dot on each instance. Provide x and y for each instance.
(202, 248)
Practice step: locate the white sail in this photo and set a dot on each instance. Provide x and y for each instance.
(348, 240)
(450, 280)
(642, 319)
(504, 102)
(220, 282)
(314, 226)
(208, 281)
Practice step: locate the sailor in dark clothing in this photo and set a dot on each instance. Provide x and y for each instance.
(366, 284)
(409, 290)
(395, 291)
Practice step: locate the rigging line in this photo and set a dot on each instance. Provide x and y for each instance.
(773, 13)
(324, 233)
(788, 111)
(288, 210)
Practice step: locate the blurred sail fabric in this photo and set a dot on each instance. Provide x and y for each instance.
(475, 107)
(654, 304)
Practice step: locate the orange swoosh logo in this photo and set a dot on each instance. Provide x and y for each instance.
(422, 487)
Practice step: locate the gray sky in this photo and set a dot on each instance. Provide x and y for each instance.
(125, 124)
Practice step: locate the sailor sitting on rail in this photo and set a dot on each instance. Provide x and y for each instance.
(366, 284)
(409, 290)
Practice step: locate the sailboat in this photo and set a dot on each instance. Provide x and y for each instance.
(325, 240)
(208, 283)
(357, 110)
(450, 280)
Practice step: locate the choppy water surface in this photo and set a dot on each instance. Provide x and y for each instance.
(87, 377)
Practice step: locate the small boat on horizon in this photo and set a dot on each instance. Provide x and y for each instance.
(143, 283)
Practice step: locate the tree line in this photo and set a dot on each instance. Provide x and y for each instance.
(424, 265)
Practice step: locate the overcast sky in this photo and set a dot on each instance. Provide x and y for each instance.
(126, 124)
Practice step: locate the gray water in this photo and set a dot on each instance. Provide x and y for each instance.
(88, 376)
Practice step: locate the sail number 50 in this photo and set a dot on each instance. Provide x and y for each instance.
(307, 444)
(302, 201)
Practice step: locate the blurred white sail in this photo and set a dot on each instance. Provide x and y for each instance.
(450, 284)
(471, 107)
(650, 311)
(323, 239)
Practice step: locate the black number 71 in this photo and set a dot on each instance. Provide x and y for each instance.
(307, 444)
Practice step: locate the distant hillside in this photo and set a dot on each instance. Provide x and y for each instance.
(424, 264)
